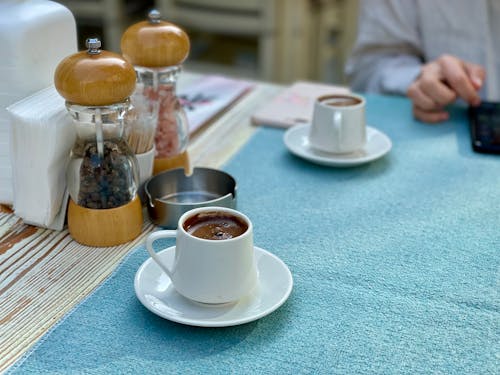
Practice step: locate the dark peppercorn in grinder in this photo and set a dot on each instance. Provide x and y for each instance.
(102, 174)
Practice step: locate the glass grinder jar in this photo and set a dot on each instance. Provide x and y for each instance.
(102, 174)
(157, 49)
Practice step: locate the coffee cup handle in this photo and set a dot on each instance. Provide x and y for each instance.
(337, 128)
(149, 246)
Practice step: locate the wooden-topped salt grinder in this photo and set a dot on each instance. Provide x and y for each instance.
(157, 49)
(102, 174)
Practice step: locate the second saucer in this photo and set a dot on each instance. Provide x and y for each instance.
(377, 145)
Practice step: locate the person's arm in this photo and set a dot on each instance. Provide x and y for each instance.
(387, 55)
(388, 58)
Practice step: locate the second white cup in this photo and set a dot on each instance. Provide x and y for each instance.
(338, 124)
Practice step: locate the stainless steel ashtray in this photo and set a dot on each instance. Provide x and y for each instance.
(171, 193)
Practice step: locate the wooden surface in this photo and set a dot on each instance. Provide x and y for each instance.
(157, 45)
(177, 161)
(95, 79)
(45, 273)
(109, 227)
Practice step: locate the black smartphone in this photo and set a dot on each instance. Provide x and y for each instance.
(485, 127)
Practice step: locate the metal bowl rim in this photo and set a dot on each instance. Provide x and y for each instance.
(187, 204)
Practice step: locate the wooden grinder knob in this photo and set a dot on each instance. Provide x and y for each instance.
(155, 43)
(95, 77)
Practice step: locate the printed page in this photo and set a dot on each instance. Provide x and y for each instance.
(294, 105)
(209, 96)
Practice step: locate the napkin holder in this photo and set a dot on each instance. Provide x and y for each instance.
(35, 35)
(42, 135)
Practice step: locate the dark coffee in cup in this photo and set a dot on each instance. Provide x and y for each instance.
(215, 226)
(339, 100)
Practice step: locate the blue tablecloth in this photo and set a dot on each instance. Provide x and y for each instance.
(395, 264)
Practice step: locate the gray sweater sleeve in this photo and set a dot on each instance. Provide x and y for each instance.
(387, 55)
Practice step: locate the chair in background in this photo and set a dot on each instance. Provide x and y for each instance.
(333, 29)
(273, 40)
(295, 39)
(110, 16)
(255, 19)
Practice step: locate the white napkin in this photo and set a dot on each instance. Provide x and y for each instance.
(42, 135)
(5, 163)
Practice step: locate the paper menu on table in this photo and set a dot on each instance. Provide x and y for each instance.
(294, 105)
(207, 97)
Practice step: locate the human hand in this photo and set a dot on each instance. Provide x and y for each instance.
(440, 83)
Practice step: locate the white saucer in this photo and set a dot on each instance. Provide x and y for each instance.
(377, 145)
(156, 292)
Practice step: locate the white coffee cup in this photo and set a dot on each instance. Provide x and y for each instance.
(338, 124)
(210, 270)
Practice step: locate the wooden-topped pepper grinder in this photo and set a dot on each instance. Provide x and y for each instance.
(102, 175)
(157, 49)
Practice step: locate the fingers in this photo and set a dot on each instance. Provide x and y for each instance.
(425, 109)
(440, 83)
(456, 74)
(430, 95)
(429, 90)
(420, 99)
(430, 117)
(476, 73)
